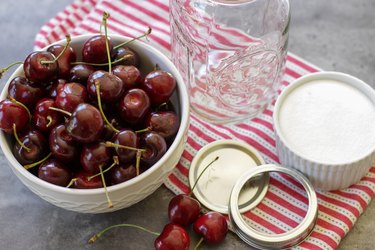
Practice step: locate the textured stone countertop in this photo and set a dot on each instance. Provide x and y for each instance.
(334, 35)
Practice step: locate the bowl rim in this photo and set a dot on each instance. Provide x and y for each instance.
(347, 79)
(184, 123)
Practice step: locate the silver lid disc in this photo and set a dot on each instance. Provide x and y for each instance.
(272, 241)
(214, 187)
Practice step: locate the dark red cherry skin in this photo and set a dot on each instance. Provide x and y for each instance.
(129, 74)
(165, 123)
(80, 73)
(82, 181)
(95, 155)
(126, 137)
(55, 172)
(42, 114)
(70, 95)
(36, 71)
(212, 226)
(154, 145)
(37, 144)
(94, 49)
(121, 173)
(62, 145)
(64, 60)
(159, 85)
(85, 124)
(131, 57)
(12, 113)
(21, 90)
(56, 87)
(183, 210)
(111, 87)
(173, 237)
(134, 106)
(108, 133)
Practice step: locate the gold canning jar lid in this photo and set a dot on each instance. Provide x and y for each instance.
(272, 241)
(237, 182)
(214, 187)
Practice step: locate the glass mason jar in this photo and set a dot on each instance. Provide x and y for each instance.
(231, 54)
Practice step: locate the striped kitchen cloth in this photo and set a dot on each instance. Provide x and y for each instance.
(285, 203)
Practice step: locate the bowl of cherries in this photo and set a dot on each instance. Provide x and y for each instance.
(94, 123)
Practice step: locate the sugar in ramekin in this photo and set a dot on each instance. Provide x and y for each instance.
(325, 128)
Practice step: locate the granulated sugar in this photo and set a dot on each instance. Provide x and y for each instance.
(328, 121)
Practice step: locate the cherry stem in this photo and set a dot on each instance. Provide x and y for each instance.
(28, 166)
(143, 130)
(148, 32)
(98, 235)
(110, 205)
(137, 162)
(60, 110)
(3, 70)
(50, 120)
(161, 105)
(200, 175)
(103, 64)
(97, 87)
(115, 162)
(110, 144)
(71, 182)
(199, 243)
(18, 139)
(68, 40)
(105, 17)
(22, 105)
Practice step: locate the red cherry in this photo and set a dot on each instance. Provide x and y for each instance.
(56, 87)
(154, 145)
(134, 106)
(12, 113)
(37, 70)
(173, 237)
(23, 91)
(165, 123)
(183, 210)
(94, 156)
(111, 86)
(80, 180)
(85, 124)
(81, 72)
(46, 119)
(212, 226)
(94, 49)
(126, 137)
(131, 57)
(159, 85)
(37, 145)
(70, 95)
(122, 173)
(65, 60)
(129, 74)
(55, 172)
(62, 145)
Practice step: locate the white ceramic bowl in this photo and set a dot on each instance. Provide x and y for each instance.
(127, 193)
(324, 125)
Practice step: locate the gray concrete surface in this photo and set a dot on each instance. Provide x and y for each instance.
(335, 35)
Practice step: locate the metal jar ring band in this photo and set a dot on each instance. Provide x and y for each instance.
(272, 241)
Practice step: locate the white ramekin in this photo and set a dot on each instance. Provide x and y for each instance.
(323, 175)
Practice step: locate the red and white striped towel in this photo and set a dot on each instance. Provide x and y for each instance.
(285, 204)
